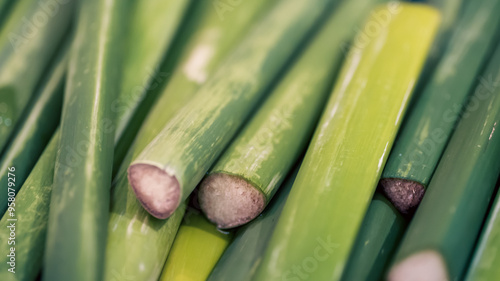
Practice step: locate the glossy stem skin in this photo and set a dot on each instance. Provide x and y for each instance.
(36, 129)
(345, 158)
(197, 247)
(190, 143)
(379, 235)
(430, 123)
(449, 217)
(485, 265)
(242, 257)
(78, 215)
(278, 133)
(26, 51)
(31, 212)
(153, 25)
(131, 229)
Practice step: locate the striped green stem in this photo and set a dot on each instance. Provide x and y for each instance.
(170, 167)
(196, 249)
(29, 39)
(36, 128)
(249, 245)
(485, 265)
(138, 243)
(379, 235)
(430, 123)
(250, 171)
(344, 161)
(443, 232)
(78, 216)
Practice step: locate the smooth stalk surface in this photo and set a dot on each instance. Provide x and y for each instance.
(344, 161)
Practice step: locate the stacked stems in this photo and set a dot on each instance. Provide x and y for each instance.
(76, 235)
(250, 171)
(430, 123)
(170, 167)
(197, 247)
(35, 130)
(443, 232)
(26, 50)
(131, 228)
(343, 164)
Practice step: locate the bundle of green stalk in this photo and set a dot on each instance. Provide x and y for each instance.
(170, 167)
(250, 171)
(138, 243)
(430, 123)
(197, 247)
(443, 232)
(36, 128)
(485, 265)
(337, 178)
(244, 254)
(29, 38)
(80, 200)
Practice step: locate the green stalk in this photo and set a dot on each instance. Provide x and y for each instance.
(28, 41)
(444, 229)
(244, 254)
(31, 212)
(485, 264)
(250, 171)
(170, 167)
(196, 249)
(5, 6)
(138, 243)
(151, 33)
(318, 226)
(379, 235)
(36, 129)
(76, 234)
(429, 125)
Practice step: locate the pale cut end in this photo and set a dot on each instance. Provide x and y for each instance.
(158, 192)
(404, 194)
(230, 201)
(424, 266)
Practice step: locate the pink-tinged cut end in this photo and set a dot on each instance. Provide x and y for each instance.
(158, 192)
(230, 201)
(423, 266)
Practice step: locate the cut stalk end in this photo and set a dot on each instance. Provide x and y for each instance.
(230, 201)
(158, 192)
(423, 266)
(404, 194)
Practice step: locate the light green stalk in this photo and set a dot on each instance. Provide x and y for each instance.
(76, 235)
(170, 167)
(443, 232)
(138, 243)
(36, 129)
(261, 156)
(196, 249)
(29, 38)
(318, 226)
